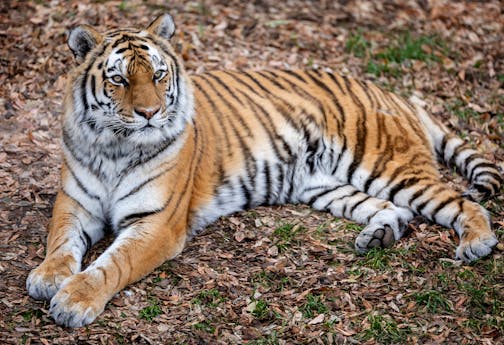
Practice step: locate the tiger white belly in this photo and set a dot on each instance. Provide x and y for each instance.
(277, 182)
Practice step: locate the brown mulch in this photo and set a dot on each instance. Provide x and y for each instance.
(276, 275)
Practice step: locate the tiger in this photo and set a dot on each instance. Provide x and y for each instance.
(155, 155)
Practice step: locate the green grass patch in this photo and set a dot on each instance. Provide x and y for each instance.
(407, 48)
(285, 236)
(377, 258)
(484, 324)
(31, 313)
(384, 330)
(151, 311)
(123, 6)
(485, 300)
(276, 23)
(396, 56)
(353, 227)
(357, 45)
(271, 339)
(204, 326)
(271, 280)
(211, 298)
(459, 109)
(261, 309)
(434, 301)
(314, 305)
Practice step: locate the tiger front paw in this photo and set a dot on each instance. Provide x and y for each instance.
(476, 246)
(78, 302)
(45, 280)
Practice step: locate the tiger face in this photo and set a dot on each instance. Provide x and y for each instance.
(134, 81)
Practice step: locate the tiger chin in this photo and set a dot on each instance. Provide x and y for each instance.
(156, 155)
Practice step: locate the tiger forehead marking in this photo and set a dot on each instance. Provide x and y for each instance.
(135, 56)
(157, 155)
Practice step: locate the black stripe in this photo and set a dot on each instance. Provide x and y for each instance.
(122, 50)
(303, 93)
(419, 193)
(336, 81)
(442, 147)
(246, 194)
(421, 207)
(403, 184)
(80, 184)
(223, 84)
(71, 147)
(483, 165)
(216, 113)
(324, 87)
(442, 205)
(87, 239)
(83, 235)
(366, 198)
(254, 80)
(380, 164)
(235, 76)
(460, 209)
(270, 130)
(268, 182)
(270, 79)
(361, 135)
(294, 74)
(365, 89)
(234, 111)
(353, 193)
(133, 218)
(80, 205)
(456, 151)
(248, 157)
(141, 185)
(148, 156)
(397, 171)
(322, 193)
(280, 180)
(468, 161)
(497, 177)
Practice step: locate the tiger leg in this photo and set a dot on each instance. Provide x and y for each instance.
(439, 203)
(137, 251)
(483, 175)
(71, 233)
(386, 223)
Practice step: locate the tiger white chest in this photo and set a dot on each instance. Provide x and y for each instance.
(114, 182)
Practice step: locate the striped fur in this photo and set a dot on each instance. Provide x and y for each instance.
(156, 156)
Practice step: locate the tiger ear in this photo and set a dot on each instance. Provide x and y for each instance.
(82, 39)
(162, 26)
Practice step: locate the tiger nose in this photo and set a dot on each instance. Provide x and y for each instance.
(146, 112)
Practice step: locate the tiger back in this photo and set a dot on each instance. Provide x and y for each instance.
(157, 155)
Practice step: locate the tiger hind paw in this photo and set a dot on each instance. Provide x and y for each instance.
(374, 236)
(477, 248)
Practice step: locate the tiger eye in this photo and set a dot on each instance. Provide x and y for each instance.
(117, 79)
(158, 74)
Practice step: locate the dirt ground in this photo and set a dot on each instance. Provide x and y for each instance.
(276, 275)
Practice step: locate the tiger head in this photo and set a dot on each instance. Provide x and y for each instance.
(129, 85)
